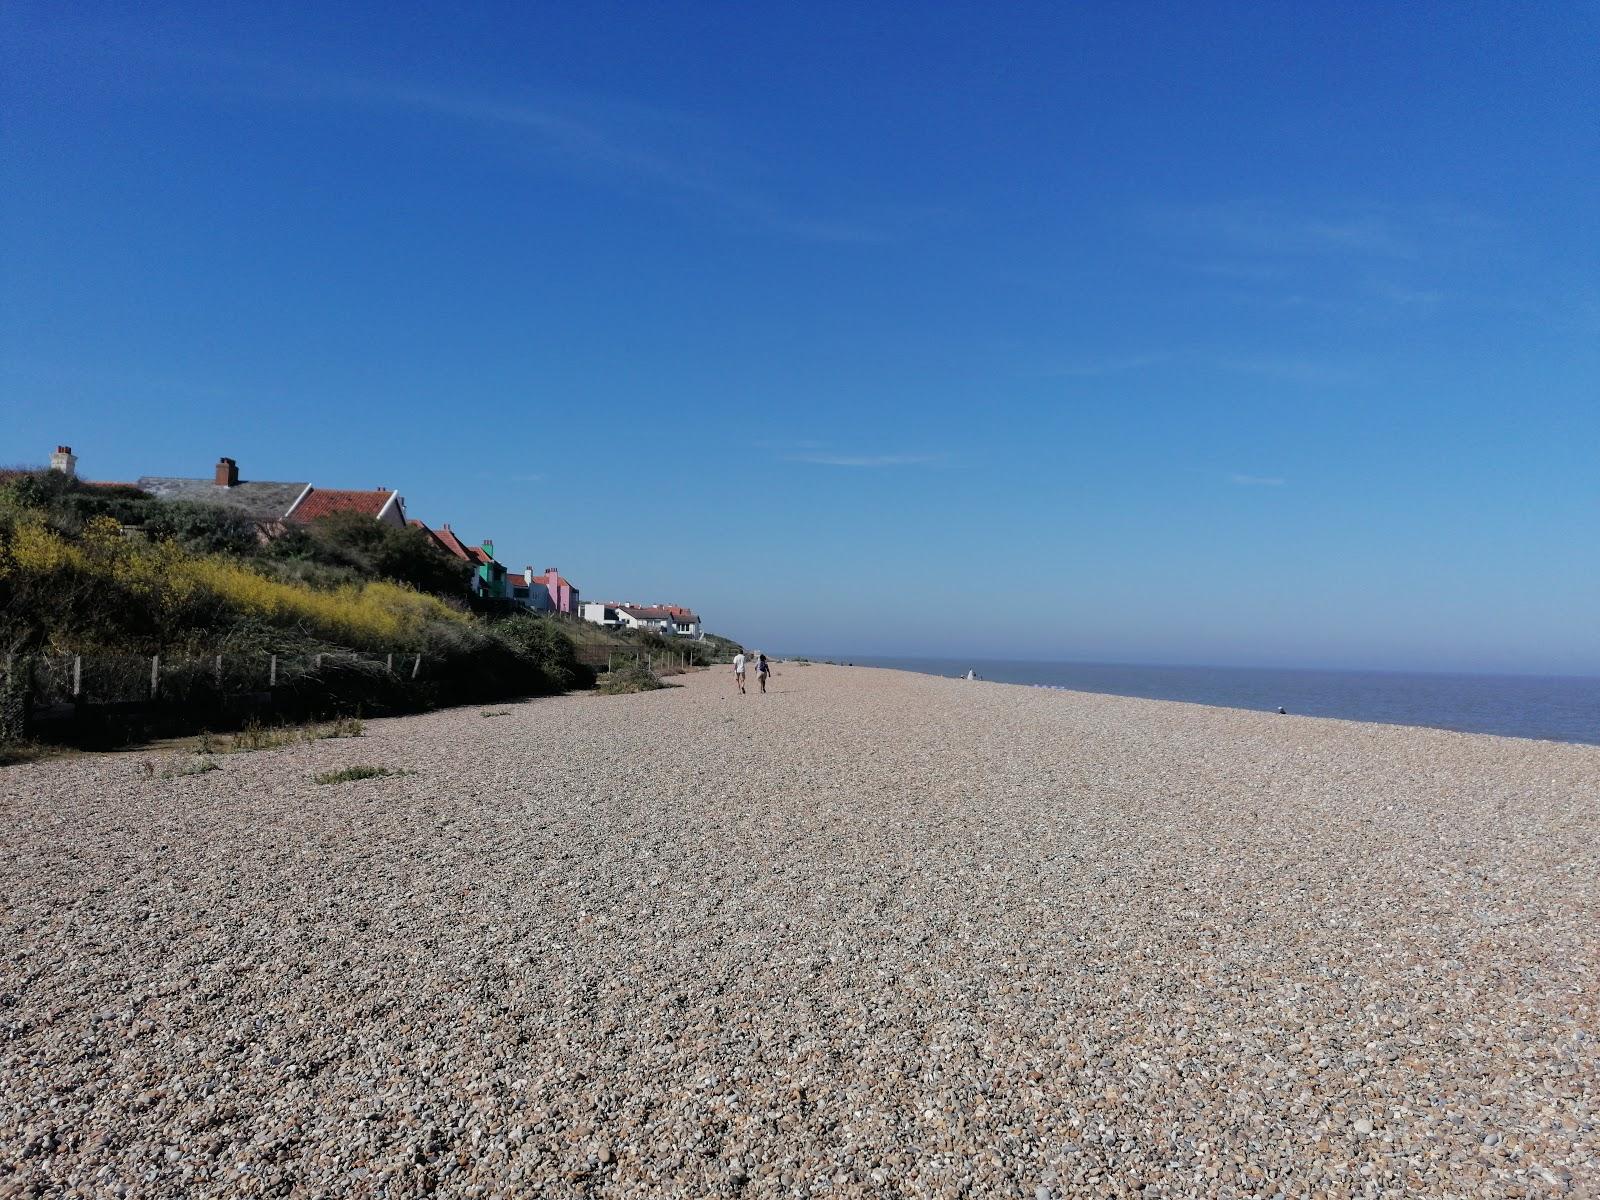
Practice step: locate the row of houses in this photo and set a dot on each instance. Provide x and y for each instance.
(667, 619)
(275, 506)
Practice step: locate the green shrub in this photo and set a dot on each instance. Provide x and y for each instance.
(200, 766)
(15, 699)
(352, 544)
(629, 679)
(202, 528)
(351, 774)
(543, 643)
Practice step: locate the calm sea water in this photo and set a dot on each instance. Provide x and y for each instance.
(1561, 708)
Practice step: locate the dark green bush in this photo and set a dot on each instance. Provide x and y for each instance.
(203, 528)
(357, 546)
(15, 686)
(626, 680)
(541, 641)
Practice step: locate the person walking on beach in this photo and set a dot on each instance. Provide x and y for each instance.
(763, 669)
(738, 671)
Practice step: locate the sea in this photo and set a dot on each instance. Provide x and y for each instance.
(1560, 708)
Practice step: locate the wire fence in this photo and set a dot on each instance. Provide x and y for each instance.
(53, 681)
(107, 697)
(662, 662)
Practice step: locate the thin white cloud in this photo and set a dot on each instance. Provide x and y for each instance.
(1257, 480)
(1252, 228)
(1404, 296)
(634, 143)
(1286, 369)
(1280, 367)
(863, 460)
(1095, 368)
(1363, 261)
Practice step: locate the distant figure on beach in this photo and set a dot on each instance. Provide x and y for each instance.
(763, 669)
(738, 671)
(1282, 711)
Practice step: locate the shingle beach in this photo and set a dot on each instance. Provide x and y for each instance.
(873, 934)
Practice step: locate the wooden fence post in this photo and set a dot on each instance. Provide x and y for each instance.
(219, 672)
(318, 665)
(155, 675)
(388, 664)
(77, 675)
(416, 666)
(272, 673)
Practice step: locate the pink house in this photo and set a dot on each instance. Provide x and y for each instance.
(563, 592)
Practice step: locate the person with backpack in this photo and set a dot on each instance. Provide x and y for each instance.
(763, 669)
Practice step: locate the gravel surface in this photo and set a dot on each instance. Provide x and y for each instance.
(873, 934)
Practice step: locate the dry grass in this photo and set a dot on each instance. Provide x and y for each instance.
(627, 680)
(256, 736)
(351, 774)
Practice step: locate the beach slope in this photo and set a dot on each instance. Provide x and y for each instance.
(872, 934)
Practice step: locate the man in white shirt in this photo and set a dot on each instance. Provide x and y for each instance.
(738, 671)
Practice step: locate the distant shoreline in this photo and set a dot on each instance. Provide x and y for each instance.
(1543, 708)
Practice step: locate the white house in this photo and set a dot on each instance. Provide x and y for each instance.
(685, 622)
(667, 619)
(600, 614)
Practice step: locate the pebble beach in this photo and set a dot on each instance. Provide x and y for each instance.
(873, 934)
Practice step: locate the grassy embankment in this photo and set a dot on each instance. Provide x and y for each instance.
(116, 576)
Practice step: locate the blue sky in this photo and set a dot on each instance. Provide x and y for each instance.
(1137, 332)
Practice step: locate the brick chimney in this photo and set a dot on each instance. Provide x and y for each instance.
(227, 472)
(65, 461)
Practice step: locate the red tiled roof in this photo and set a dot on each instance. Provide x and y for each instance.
(655, 612)
(324, 502)
(454, 545)
(650, 612)
(433, 537)
(562, 581)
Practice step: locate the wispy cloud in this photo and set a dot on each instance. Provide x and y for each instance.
(1287, 369)
(1283, 368)
(1257, 480)
(1408, 297)
(1095, 368)
(1253, 228)
(864, 460)
(1368, 261)
(683, 158)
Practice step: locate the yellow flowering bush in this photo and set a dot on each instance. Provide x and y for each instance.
(180, 589)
